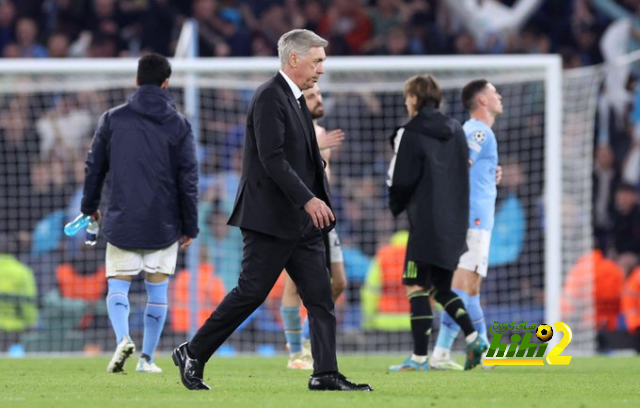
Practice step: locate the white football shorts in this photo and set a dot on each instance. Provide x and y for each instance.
(127, 262)
(476, 259)
(335, 251)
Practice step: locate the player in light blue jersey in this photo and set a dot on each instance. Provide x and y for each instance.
(481, 99)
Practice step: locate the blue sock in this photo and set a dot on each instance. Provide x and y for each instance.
(477, 316)
(449, 329)
(155, 315)
(118, 307)
(306, 332)
(292, 328)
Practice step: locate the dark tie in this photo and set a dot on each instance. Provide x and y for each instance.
(306, 114)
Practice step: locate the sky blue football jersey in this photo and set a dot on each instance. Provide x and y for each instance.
(483, 153)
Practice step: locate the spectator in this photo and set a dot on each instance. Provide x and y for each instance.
(274, 22)
(211, 42)
(347, 27)
(625, 247)
(261, 47)
(158, 31)
(10, 51)
(605, 182)
(18, 151)
(464, 44)
(510, 217)
(58, 45)
(631, 306)
(18, 292)
(209, 293)
(106, 18)
(593, 281)
(395, 43)
(7, 23)
(222, 244)
(103, 46)
(384, 305)
(26, 37)
(312, 12)
(490, 22)
(385, 18)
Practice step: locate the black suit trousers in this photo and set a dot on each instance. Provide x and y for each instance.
(264, 258)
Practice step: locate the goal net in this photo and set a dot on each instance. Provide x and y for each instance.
(48, 113)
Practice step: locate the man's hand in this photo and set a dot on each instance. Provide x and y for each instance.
(96, 216)
(328, 140)
(319, 212)
(185, 241)
(498, 174)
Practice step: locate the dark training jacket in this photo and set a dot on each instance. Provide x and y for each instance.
(146, 151)
(429, 178)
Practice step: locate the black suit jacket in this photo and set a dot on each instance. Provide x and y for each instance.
(281, 166)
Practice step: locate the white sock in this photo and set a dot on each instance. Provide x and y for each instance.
(472, 337)
(418, 359)
(441, 353)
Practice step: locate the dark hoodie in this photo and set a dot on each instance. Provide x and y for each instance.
(146, 151)
(429, 177)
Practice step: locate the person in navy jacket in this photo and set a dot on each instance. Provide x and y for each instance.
(145, 150)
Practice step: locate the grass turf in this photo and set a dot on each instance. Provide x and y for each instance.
(265, 383)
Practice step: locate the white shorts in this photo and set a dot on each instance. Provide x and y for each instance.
(476, 259)
(127, 262)
(335, 251)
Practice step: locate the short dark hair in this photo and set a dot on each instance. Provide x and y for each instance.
(426, 89)
(469, 92)
(153, 69)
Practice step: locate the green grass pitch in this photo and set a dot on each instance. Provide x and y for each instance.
(265, 383)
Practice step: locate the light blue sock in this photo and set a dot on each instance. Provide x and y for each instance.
(449, 329)
(118, 307)
(477, 316)
(155, 315)
(306, 332)
(292, 328)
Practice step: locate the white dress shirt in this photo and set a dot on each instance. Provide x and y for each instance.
(297, 93)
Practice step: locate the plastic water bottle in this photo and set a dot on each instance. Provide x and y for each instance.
(92, 233)
(77, 224)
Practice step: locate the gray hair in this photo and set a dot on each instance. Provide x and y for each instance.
(298, 42)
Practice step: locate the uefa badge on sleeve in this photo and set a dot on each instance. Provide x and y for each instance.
(479, 136)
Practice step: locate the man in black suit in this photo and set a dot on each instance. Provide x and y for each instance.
(281, 207)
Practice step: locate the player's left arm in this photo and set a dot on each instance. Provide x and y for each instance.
(96, 167)
(477, 140)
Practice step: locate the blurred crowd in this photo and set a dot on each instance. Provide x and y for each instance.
(44, 137)
(121, 28)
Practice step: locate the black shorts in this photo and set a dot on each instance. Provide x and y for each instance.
(426, 275)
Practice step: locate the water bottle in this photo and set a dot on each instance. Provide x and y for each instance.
(92, 233)
(77, 224)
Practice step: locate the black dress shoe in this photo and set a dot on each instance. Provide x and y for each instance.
(335, 382)
(190, 369)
